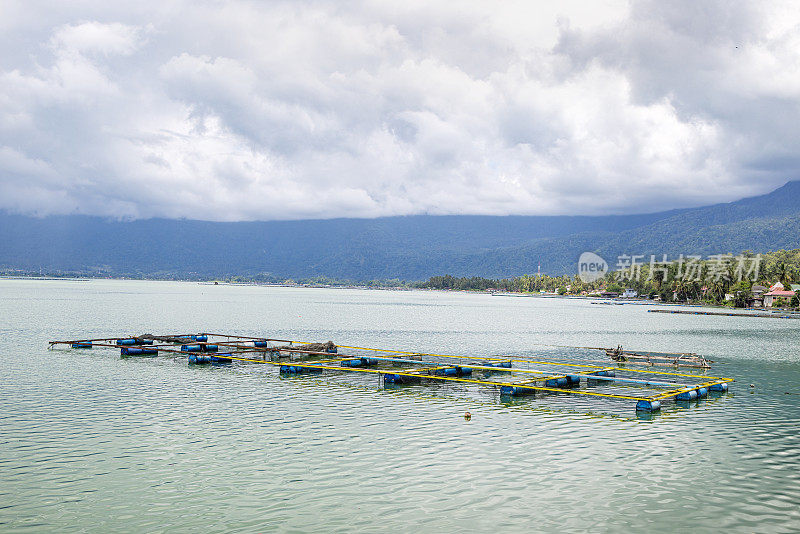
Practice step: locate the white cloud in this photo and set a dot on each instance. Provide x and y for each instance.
(94, 37)
(240, 110)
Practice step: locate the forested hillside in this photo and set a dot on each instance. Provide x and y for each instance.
(409, 248)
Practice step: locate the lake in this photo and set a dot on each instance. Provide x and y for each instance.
(93, 442)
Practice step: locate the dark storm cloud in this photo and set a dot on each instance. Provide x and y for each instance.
(243, 110)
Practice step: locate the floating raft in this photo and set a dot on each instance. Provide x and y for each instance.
(678, 359)
(506, 375)
(767, 315)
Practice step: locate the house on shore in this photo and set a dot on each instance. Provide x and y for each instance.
(758, 296)
(777, 291)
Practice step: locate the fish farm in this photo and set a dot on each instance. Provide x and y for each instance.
(646, 389)
(775, 314)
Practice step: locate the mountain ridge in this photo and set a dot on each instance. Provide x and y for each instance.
(410, 247)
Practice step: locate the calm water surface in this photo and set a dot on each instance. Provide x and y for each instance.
(92, 442)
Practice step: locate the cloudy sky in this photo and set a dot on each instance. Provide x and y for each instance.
(303, 109)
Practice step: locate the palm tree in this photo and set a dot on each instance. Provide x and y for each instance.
(680, 288)
(783, 273)
(692, 289)
(717, 289)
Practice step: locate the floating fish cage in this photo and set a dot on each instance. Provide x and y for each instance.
(773, 314)
(507, 376)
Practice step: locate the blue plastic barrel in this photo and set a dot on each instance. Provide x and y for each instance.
(556, 382)
(358, 362)
(136, 351)
(191, 348)
(702, 392)
(719, 387)
(464, 371)
(499, 365)
(134, 341)
(687, 395)
(261, 344)
(298, 369)
(82, 345)
(199, 359)
(200, 337)
(573, 380)
(516, 390)
(334, 350)
(210, 348)
(399, 379)
(222, 357)
(648, 406)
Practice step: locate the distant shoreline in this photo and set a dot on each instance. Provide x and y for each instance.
(52, 278)
(595, 299)
(592, 299)
(214, 283)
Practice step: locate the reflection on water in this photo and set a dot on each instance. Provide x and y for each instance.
(89, 441)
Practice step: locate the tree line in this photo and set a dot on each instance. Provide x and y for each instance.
(714, 280)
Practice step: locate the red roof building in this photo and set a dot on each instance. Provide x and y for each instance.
(770, 297)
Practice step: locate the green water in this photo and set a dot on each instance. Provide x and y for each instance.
(92, 442)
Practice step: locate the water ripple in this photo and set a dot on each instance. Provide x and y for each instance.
(91, 442)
